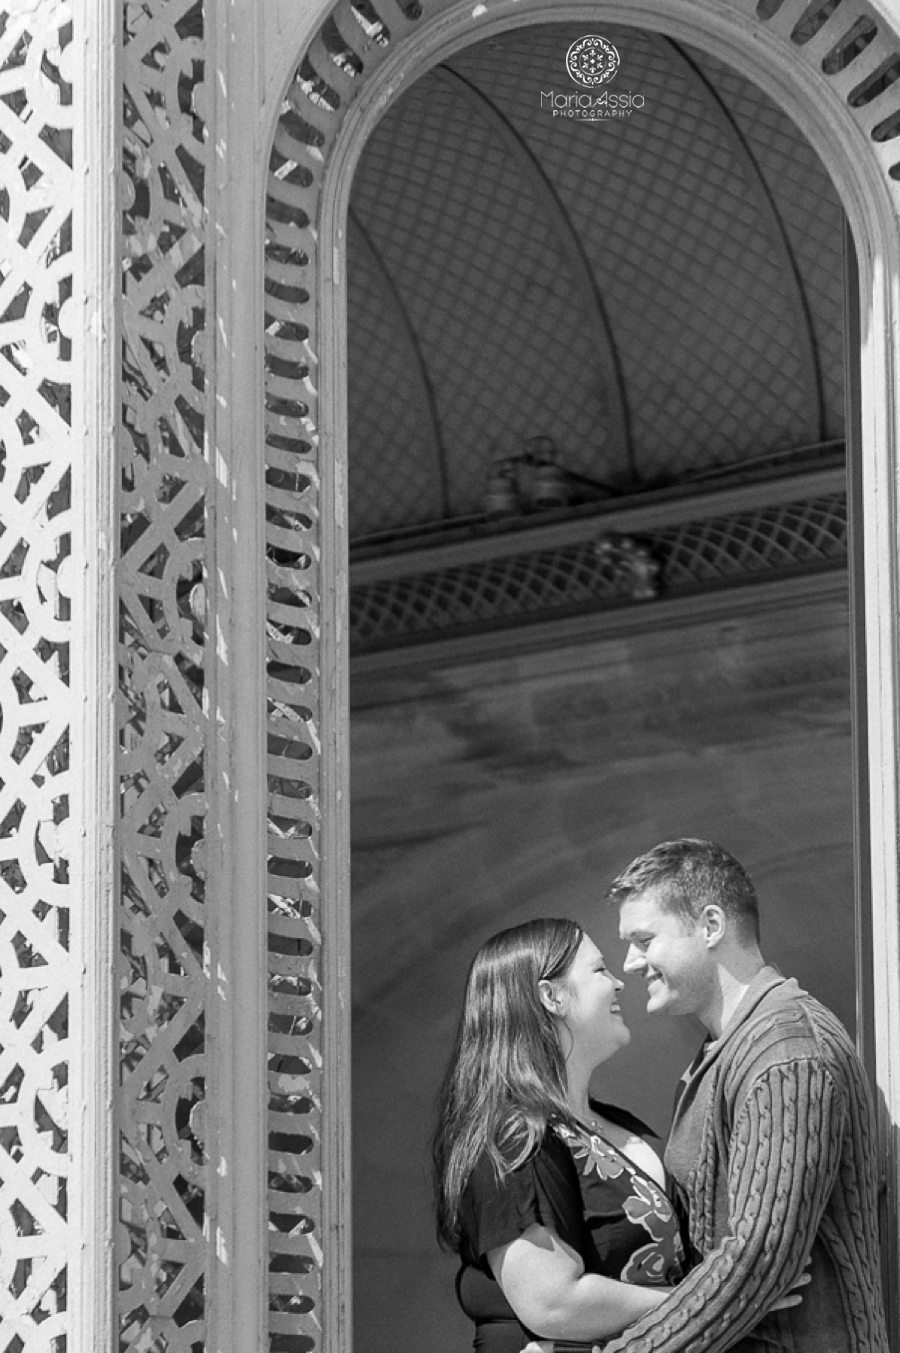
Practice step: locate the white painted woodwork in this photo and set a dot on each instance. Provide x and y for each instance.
(236, 885)
(94, 929)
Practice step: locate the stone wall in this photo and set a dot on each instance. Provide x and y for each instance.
(490, 792)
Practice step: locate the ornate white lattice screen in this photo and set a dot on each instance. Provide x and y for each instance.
(165, 656)
(163, 680)
(35, 470)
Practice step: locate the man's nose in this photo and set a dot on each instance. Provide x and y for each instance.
(634, 959)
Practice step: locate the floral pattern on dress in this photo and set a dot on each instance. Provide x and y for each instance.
(649, 1207)
(645, 1205)
(593, 1152)
(650, 1266)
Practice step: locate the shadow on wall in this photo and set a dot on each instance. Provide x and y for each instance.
(489, 794)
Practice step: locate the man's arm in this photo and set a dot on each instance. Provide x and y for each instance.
(784, 1157)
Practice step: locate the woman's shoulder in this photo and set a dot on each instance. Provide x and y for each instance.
(543, 1174)
(517, 1154)
(523, 1177)
(542, 1189)
(525, 1152)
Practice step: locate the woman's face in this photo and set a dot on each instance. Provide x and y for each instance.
(588, 1004)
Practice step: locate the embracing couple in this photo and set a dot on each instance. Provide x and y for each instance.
(758, 1233)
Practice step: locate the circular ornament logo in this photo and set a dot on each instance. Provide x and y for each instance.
(591, 61)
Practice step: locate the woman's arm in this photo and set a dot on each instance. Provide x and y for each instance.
(544, 1281)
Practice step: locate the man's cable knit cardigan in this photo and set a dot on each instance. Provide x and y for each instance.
(772, 1149)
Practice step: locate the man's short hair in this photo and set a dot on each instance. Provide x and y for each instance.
(689, 875)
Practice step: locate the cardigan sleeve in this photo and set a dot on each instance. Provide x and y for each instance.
(784, 1158)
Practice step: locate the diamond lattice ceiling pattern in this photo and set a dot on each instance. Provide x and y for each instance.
(659, 294)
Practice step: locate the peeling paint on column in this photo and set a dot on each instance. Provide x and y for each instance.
(163, 657)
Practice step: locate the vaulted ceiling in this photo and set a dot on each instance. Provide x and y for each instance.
(657, 297)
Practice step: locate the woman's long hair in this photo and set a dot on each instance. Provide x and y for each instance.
(506, 1076)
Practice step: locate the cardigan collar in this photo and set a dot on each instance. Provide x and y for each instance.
(767, 981)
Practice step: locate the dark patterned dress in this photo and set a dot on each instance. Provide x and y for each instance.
(633, 1226)
(597, 1200)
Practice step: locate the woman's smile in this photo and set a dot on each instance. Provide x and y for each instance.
(587, 1001)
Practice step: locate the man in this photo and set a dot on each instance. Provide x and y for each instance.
(772, 1145)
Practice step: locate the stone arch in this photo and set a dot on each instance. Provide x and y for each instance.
(834, 67)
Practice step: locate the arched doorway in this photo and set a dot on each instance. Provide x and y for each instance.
(324, 127)
(525, 710)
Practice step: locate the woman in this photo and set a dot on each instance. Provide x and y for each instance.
(556, 1204)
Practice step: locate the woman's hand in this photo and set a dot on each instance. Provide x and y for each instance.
(793, 1296)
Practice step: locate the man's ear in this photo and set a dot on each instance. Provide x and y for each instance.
(715, 925)
(551, 998)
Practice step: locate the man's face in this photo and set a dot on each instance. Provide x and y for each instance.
(670, 953)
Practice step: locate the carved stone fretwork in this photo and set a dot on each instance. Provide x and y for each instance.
(162, 683)
(35, 710)
(292, 655)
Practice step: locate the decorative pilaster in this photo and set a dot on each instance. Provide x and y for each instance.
(38, 318)
(165, 566)
(93, 1189)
